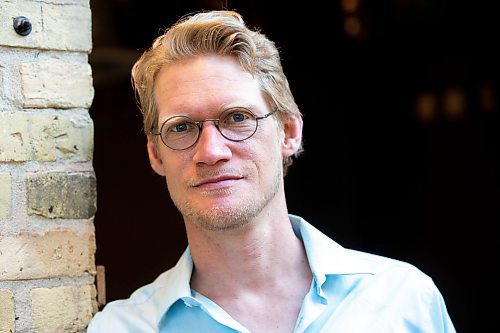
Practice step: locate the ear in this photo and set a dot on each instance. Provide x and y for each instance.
(154, 157)
(292, 129)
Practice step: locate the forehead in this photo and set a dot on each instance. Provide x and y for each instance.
(206, 85)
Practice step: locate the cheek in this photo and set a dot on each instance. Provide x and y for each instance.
(267, 158)
(175, 167)
(175, 178)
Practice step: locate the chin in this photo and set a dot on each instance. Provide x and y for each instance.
(222, 217)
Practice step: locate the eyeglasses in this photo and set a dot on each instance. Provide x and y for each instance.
(235, 124)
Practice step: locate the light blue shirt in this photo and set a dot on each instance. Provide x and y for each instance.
(351, 292)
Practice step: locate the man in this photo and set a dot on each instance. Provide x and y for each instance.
(222, 128)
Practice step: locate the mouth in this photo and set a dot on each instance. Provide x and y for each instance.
(217, 182)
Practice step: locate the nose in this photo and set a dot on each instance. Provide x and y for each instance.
(211, 146)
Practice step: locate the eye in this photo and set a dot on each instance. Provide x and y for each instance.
(179, 125)
(235, 117)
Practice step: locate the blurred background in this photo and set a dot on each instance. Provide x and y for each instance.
(401, 110)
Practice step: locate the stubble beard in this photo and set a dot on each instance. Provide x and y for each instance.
(220, 218)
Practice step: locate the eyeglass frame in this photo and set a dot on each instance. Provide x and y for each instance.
(200, 123)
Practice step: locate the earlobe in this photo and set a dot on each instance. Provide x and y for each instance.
(292, 140)
(154, 157)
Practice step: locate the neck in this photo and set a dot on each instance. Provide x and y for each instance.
(253, 258)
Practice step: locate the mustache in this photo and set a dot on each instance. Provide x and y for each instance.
(214, 173)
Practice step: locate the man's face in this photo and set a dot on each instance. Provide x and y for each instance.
(217, 184)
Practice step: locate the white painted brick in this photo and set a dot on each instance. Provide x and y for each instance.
(14, 137)
(55, 25)
(54, 253)
(5, 195)
(62, 309)
(67, 136)
(7, 314)
(56, 84)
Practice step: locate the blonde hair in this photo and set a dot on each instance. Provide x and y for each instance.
(218, 32)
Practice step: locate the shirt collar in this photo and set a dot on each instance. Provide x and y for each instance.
(171, 286)
(325, 256)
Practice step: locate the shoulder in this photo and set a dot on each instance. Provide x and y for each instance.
(131, 314)
(403, 290)
(142, 311)
(401, 283)
(393, 270)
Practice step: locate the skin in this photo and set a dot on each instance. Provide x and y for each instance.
(231, 195)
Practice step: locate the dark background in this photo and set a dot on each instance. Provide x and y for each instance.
(400, 102)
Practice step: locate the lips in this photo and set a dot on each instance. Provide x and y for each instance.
(218, 180)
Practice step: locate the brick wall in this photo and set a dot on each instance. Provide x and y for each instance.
(47, 183)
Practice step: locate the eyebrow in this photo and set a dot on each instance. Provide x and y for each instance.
(249, 107)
